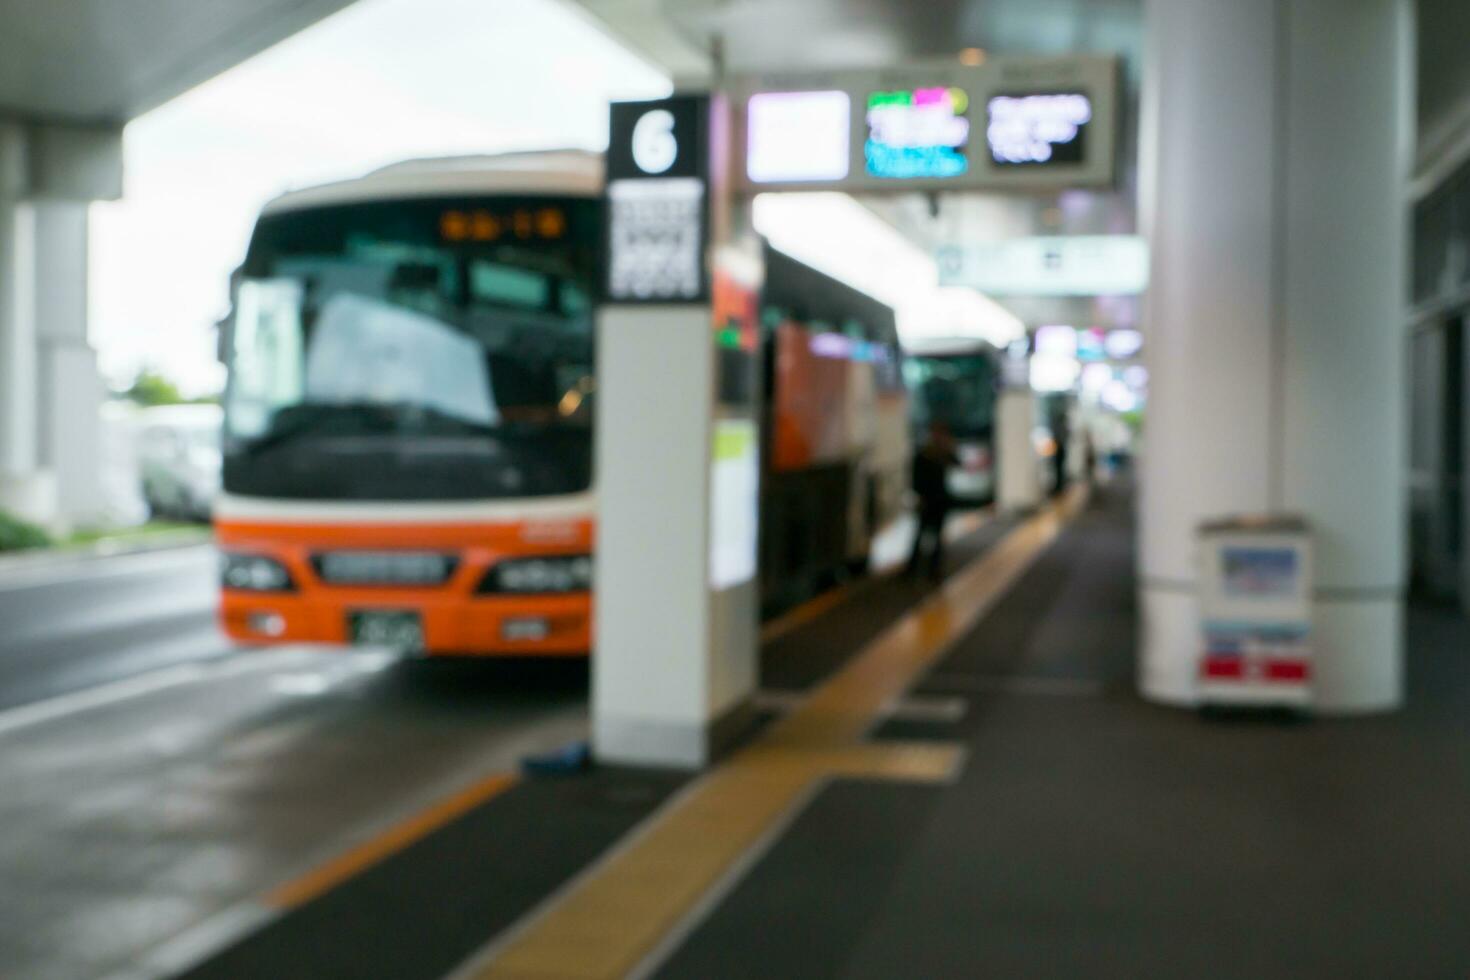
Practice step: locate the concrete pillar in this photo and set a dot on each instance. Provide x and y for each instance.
(69, 388)
(675, 659)
(1018, 488)
(1275, 147)
(25, 490)
(50, 392)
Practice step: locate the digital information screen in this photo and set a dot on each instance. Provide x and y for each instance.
(918, 133)
(798, 136)
(1041, 129)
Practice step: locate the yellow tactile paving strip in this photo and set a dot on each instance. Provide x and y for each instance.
(609, 920)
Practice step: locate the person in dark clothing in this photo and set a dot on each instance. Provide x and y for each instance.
(931, 468)
(1062, 437)
(1089, 458)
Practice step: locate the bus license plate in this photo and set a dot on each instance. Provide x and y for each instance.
(399, 629)
(525, 628)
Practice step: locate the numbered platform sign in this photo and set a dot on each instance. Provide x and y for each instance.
(658, 201)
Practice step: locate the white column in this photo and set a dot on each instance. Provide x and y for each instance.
(70, 390)
(24, 489)
(50, 391)
(675, 648)
(1275, 145)
(1018, 486)
(651, 668)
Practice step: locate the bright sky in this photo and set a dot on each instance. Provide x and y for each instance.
(383, 81)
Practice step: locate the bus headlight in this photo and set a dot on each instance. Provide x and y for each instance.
(560, 573)
(254, 573)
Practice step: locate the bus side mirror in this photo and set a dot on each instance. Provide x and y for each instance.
(223, 335)
(224, 327)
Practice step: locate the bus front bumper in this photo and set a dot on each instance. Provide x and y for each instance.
(443, 625)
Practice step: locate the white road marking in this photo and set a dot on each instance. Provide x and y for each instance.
(301, 685)
(92, 568)
(51, 709)
(113, 613)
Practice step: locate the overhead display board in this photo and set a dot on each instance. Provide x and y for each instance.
(1010, 123)
(658, 201)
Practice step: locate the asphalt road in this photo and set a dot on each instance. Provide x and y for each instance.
(158, 780)
(74, 624)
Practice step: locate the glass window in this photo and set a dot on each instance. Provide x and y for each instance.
(417, 349)
(505, 285)
(958, 391)
(575, 299)
(266, 370)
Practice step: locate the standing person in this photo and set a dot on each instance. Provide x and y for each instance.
(1061, 435)
(1089, 457)
(931, 469)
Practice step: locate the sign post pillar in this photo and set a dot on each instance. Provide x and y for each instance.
(1018, 478)
(678, 448)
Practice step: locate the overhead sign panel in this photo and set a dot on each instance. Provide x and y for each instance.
(1077, 265)
(1008, 123)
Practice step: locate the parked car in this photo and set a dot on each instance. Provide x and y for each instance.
(179, 460)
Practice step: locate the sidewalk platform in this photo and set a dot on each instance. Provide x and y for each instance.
(1080, 833)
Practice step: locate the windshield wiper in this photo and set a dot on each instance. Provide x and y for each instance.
(441, 417)
(381, 417)
(506, 427)
(307, 418)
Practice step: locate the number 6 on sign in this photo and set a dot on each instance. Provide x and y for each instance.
(654, 145)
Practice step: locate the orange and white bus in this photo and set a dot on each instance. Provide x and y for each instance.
(408, 416)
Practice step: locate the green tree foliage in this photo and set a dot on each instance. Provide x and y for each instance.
(16, 534)
(150, 388)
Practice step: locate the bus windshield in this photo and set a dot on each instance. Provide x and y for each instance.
(414, 350)
(957, 390)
